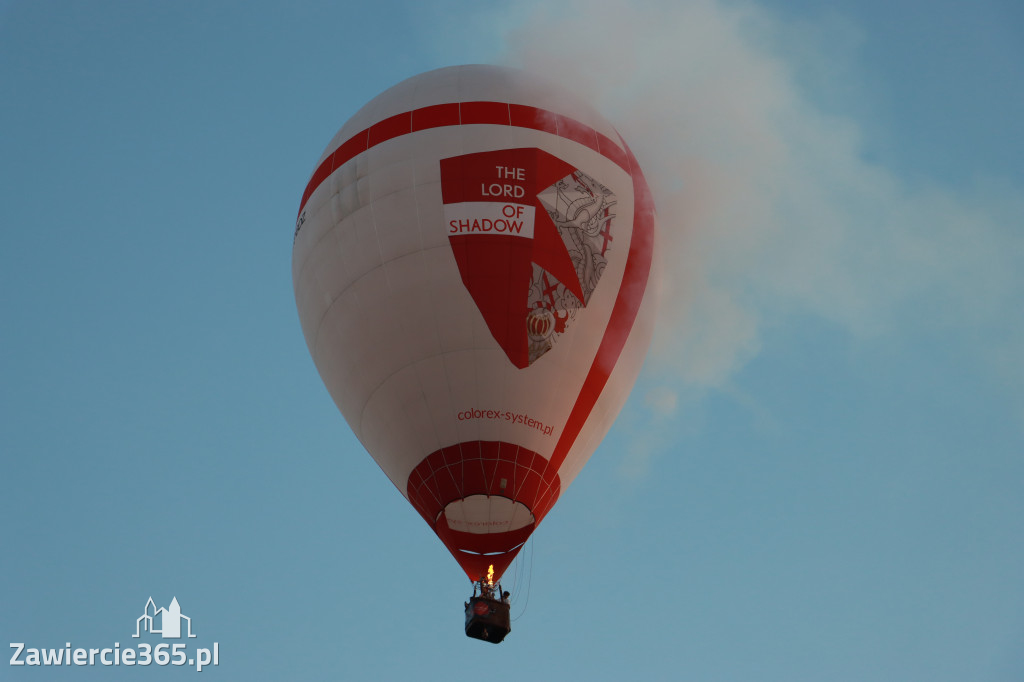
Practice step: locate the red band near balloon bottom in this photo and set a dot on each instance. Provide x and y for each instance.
(488, 468)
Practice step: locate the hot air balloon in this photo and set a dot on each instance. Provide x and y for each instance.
(472, 265)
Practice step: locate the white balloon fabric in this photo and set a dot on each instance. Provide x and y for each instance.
(473, 272)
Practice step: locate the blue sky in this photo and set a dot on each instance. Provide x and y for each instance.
(820, 475)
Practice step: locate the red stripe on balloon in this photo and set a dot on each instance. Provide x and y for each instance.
(395, 126)
(624, 312)
(435, 116)
(442, 115)
(489, 113)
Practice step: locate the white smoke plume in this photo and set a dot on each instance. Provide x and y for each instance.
(765, 201)
(768, 208)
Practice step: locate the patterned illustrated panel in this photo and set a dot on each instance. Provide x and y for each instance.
(531, 235)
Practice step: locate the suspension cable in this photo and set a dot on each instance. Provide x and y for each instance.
(529, 582)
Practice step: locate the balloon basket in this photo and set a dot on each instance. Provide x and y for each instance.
(487, 618)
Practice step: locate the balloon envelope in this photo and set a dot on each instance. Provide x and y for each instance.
(472, 265)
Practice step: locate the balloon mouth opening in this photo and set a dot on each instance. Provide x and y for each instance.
(486, 514)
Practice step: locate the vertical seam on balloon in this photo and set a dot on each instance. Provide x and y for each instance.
(433, 489)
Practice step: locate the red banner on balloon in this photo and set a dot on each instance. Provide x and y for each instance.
(530, 234)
